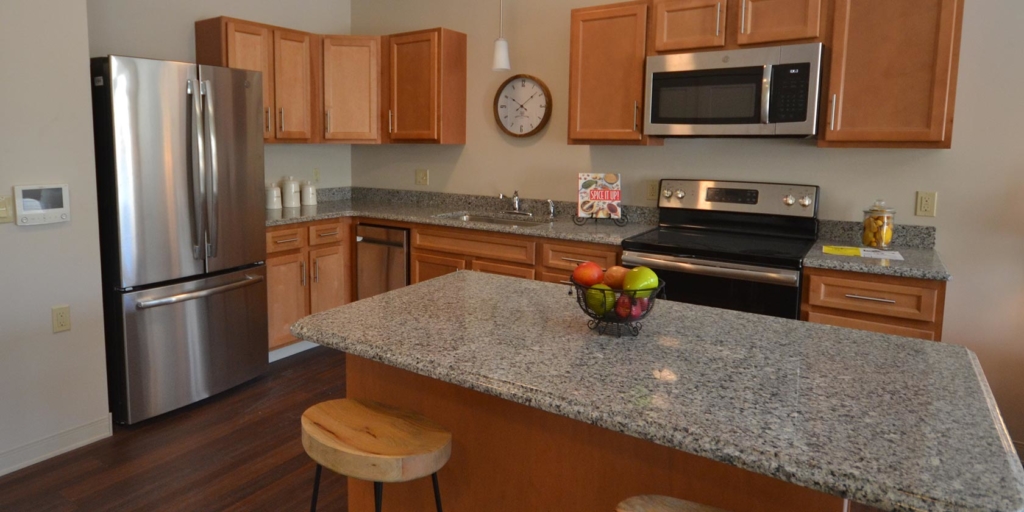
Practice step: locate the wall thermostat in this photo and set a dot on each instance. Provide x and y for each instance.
(41, 204)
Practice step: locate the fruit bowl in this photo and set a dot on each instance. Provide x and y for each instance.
(614, 311)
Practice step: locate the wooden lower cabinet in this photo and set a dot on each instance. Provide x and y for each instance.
(428, 266)
(287, 295)
(503, 269)
(308, 271)
(890, 305)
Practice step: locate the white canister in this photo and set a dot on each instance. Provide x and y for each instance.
(274, 197)
(308, 194)
(290, 192)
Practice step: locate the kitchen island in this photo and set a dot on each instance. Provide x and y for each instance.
(739, 411)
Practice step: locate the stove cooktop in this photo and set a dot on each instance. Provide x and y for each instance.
(773, 251)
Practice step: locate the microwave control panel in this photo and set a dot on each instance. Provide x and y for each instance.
(790, 83)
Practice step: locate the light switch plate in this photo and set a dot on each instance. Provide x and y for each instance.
(927, 204)
(423, 177)
(6, 209)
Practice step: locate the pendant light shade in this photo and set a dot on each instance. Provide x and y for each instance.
(501, 61)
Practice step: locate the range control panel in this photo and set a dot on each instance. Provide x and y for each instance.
(742, 197)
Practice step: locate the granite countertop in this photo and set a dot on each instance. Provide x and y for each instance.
(890, 422)
(562, 228)
(918, 263)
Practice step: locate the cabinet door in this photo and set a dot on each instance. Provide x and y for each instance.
(293, 79)
(287, 295)
(688, 24)
(606, 73)
(252, 47)
(891, 70)
(351, 94)
(429, 266)
(502, 269)
(414, 86)
(765, 21)
(328, 278)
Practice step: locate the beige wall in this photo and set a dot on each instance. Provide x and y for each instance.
(164, 29)
(53, 392)
(981, 236)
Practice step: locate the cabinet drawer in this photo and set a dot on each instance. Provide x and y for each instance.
(868, 325)
(882, 299)
(504, 248)
(566, 257)
(554, 277)
(502, 269)
(286, 239)
(325, 234)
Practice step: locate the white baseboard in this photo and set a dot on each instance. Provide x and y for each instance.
(38, 451)
(291, 350)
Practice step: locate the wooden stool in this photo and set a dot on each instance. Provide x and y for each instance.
(662, 504)
(371, 441)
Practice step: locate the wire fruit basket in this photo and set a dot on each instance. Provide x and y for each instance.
(617, 312)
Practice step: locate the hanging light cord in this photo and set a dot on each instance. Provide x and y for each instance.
(501, 19)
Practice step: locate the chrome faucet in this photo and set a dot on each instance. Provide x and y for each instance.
(515, 205)
(551, 209)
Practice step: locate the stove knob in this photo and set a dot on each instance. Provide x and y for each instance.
(789, 200)
(667, 193)
(680, 194)
(805, 201)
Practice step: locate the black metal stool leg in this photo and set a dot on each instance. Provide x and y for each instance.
(316, 488)
(437, 492)
(378, 495)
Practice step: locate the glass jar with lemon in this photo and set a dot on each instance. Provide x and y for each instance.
(879, 223)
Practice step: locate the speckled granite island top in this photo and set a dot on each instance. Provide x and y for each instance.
(562, 228)
(891, 422)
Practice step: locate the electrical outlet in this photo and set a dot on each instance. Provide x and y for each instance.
(61, 316)
(652, 190)
(423, 177)
(316, 176)
(927, 204)
(6, 209)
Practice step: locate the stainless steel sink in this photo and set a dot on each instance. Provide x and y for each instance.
(487, 219)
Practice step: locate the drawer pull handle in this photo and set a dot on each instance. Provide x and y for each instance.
(574, 260)
(872, 299)
(288, 241)
(565, 282)
(332, 233)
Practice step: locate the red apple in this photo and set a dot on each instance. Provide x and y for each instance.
(623, 306)
(638, 309)
(588, 274)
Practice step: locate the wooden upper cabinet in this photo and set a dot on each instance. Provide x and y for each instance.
(293, 81)
(351, 88)
(766, 21)
(427, 87)
(893, 77)
(251, 46)
(606, 74)
(689, 24)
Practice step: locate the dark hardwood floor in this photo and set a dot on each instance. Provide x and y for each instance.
(239, 451)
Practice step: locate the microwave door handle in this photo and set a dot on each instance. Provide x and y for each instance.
(766, 92)
(211, 203)
(197, 167)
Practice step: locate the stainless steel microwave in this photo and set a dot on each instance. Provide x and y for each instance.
(769, 91)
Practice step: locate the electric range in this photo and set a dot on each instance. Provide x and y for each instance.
(729, 244)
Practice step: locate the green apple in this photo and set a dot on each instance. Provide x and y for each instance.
(640, 278)
(600, 299)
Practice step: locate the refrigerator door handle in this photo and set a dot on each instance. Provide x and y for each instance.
(174, 299)
(211, 202)
(197, 168)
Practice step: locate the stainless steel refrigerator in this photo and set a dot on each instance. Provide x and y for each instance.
(179, 154)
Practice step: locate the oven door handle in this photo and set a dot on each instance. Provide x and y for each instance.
(713, 269)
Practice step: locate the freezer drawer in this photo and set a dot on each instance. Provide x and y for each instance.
(185, 342)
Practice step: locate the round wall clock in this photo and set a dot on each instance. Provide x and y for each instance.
(522, 106)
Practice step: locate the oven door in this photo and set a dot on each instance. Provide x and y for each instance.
(748, 288)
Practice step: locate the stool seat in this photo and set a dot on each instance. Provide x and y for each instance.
(372, 441)
(653, 503)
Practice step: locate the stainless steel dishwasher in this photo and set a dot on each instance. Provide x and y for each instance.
(382, 260)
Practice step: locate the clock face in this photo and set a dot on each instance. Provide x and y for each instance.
(522, 106)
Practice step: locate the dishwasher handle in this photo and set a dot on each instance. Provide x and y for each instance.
(377, 241)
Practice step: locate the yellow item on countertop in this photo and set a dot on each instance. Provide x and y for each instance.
(841, 251)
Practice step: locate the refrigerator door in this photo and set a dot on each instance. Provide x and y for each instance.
(158, 165)
(188, 341)
(233, 124)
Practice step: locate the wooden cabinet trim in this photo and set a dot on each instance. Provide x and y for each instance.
(689, 24)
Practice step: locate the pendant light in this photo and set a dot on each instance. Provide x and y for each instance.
(501, 62)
